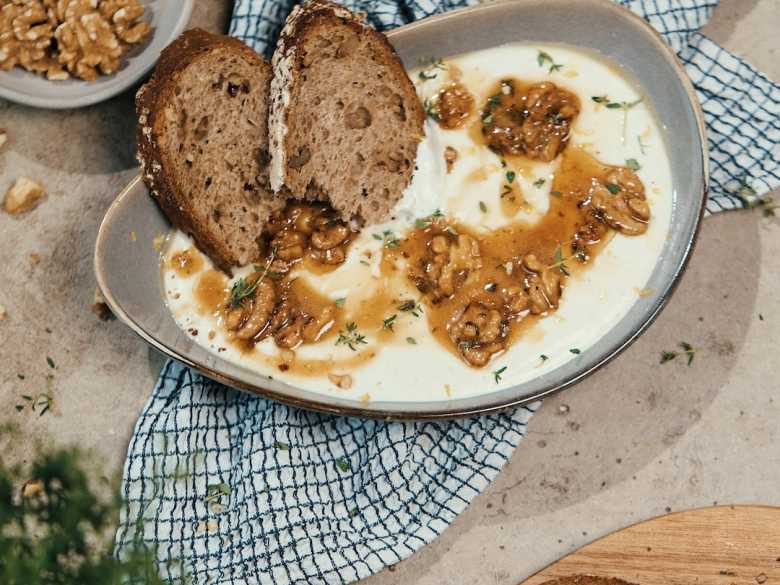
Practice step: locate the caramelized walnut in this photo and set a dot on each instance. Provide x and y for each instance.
(449, 261)
(250, 317)
(307, 229)
(620, 201)
(480, 330)
(454, 105)
(535, 122)
(542, 285)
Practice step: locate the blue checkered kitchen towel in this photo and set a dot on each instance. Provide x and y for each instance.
(233, 489)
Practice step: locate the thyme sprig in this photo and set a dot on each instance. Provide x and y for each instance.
(351, 337)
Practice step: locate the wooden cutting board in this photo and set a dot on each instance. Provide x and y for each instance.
(723, 545)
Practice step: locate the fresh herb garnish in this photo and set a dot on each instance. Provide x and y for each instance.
(43, 400)
(215, 491)
(411, 306)
(544, 358)
(510, 176)
(343, 464)
(613, 188)
(411, 340)
(482, 207)
(389, 323)
(575, 351)
(242, 289)
(555, 193)
(430, 110)
(281, 446)
(388, 239)
(539, 182)
(425, 76)
(497, 373)
(339, 302)
(687, 350)
(351, 337)
(353, 512)
(633, 164)
(600, 99)
(560, 261)
(544, 58)
(20, 376)
(50, 362)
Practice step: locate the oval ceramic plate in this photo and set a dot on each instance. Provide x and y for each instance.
(127, 265)
(167, 19)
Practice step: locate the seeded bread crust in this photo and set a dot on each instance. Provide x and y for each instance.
(187, 51)
(375, 203)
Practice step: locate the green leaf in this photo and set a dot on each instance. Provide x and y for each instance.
(343, 464)
(339, 302)
(613, 188)
(282, 446)
(389, 322)
(544, 358)
(482, 207)
(556, 193)
(543, 58)
(411, 341)
(575, 351)
(539, 182)
(510, 176)
(667, 356)
(50, 362)
(497, 373)
(600, 99)
(633, 164)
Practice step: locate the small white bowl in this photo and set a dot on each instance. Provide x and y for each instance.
(168, 19)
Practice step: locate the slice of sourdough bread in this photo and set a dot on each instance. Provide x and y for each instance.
(203, 143)
(345, 120)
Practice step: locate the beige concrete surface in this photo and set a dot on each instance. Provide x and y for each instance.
(634, 440)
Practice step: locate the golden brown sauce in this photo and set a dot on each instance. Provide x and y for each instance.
(502, 250)
(555, 240)
(186, 262)
(211, 292)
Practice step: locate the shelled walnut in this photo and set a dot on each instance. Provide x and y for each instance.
(60, 38)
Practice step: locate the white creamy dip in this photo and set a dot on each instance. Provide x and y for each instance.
(413, 365)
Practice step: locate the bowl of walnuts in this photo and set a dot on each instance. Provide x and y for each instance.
(72, 53)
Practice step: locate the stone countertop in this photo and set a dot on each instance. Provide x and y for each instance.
(633, 441)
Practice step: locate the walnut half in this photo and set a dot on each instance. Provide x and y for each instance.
(22, 196)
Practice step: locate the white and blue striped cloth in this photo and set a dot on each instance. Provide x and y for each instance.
(231, 489)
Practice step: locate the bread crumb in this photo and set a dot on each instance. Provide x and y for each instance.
(23, 196)
(343, 381)
(35, 258)
(158, 241)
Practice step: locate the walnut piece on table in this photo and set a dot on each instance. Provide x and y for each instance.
(23, 195)
(60, 38)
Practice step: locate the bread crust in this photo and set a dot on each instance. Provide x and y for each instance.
(150, 101)
(286, 69)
